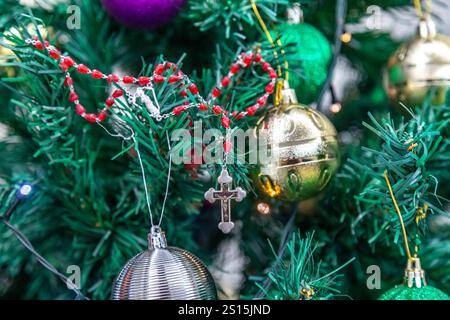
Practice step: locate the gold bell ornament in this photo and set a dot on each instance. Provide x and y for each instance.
(419, 65)
(302, 150)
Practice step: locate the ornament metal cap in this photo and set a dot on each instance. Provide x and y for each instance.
(288, 95)
(426, 29)
(414, 274)
(157, 238)
(295, 14)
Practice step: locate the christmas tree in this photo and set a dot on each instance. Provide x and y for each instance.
(132, 129)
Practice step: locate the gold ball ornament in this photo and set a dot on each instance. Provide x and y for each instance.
(417, 66)
(303, 153)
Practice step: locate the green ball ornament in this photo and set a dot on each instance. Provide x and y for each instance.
(403, 292)
(313, 53)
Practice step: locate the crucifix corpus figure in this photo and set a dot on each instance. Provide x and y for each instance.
(225, 194)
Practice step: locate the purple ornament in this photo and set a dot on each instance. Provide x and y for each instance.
(143, 14)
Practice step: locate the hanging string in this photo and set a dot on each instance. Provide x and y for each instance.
(419, 11)
(272, 42)
(400, 218)
(144, 179)
(168, 180)
(141, 165)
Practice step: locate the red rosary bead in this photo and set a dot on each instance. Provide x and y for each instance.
(96, 74)
(272, 73)
(202, 107)
(216, 92)
(68, 81)
(39, 45)
(262, 100)
(128, 80)
(80, 110)
(101, 116)
(171, 66)
(90, 117)
(248, 59)
(173, 79)
(240, 115)
(112, 78)
(81, 68)
(109, 102)
(178, 110)
(252, 110)
(184, 93)
(270, 87)
(68, 62)
(73, 96)
(54, 54)
(227, 146)
(117, 93)
(63, 67)
(143, 81)
(234, 68)
(158, 79)
(193, 88)
(265, 65)
(159, 69)
(225, 121)
(217, 109)
(258, 57)
(225, 81)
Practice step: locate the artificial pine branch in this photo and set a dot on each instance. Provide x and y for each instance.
(295, 276)
(407, 151)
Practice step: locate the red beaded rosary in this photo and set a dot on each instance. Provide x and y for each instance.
(164, 72)
(168, 72)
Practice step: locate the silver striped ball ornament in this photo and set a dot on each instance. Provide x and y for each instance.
(164, 273)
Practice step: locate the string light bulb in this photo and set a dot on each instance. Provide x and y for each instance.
(346, 37)
(25, 189)
(263, 208)
(336, 107)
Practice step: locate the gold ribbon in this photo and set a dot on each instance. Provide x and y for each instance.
(400, 218)
(419, 10)
(280, 83)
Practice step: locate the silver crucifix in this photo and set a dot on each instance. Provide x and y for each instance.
(225, 195)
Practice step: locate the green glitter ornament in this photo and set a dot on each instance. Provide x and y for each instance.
(309, 67)
(403, 292)
(415, 286)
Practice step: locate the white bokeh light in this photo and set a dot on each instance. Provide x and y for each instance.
(25, 189)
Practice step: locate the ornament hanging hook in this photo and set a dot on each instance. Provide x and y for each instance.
(295, 14)
(272, 42)
(420, 13)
